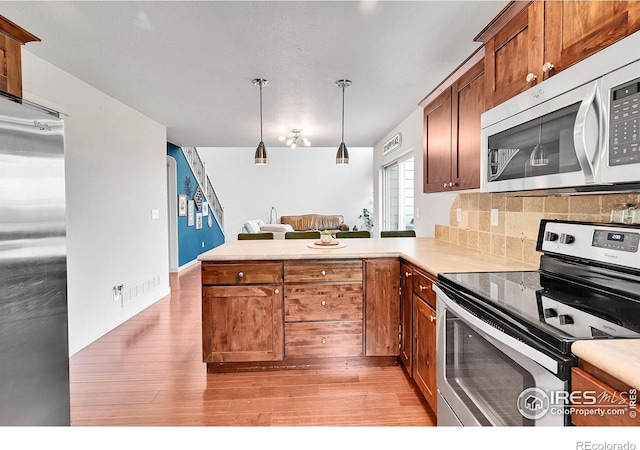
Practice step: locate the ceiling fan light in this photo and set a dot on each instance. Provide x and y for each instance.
(261, 155)
(342, 157)
(293, 145)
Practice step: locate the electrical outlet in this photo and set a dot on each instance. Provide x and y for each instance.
(495, 218)
(117, 293)
(459, 215)
(202, 244)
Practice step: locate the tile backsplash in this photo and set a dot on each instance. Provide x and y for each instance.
(518, 220)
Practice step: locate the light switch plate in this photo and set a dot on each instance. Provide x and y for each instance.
(495, 218)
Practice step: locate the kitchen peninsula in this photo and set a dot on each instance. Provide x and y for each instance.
(282, 304)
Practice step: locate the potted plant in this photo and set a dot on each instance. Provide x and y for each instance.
(367, 220)
(325, 237)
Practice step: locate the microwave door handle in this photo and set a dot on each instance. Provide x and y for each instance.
(586, 160)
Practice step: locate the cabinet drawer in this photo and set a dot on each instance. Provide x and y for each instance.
(326, 301)
(242, 273)
(323, 339)
(321, 270)
(422, 286)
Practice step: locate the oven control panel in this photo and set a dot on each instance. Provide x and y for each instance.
(616, 240)
(608, 243)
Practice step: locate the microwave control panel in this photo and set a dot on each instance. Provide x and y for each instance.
(624, 137)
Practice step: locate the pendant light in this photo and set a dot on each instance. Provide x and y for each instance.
(261, 151)
(342, 157)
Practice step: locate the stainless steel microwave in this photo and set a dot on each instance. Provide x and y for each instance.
(577, 131)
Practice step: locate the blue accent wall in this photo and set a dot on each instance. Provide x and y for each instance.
(190, 240)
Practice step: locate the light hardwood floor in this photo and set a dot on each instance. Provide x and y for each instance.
(149, 372)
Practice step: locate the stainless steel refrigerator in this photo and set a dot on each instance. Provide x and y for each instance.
(34, 350)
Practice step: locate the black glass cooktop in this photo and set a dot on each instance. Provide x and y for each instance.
(555, 310)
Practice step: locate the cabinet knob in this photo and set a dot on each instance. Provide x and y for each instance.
(407, 274)
(432, 318)
(323, 303)
(323, 340)
(323, 273)
(547, 66)
(451, 184)
(422, 288)
(444, 185)
(241, 274)
(277, 291)
(531, 77)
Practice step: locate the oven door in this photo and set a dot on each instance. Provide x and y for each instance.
(489, 378)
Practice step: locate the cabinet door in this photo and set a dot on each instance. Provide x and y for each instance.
(424, 349)
(382, 306)
(514, 52)
(242, 323)
(437, 143)
(468, 105)
(11, 69)
(406, 317)
(575, 30)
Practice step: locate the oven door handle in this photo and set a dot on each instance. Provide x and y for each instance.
(513, 343)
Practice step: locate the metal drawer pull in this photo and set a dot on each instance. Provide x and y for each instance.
(323, 273)
(422, 288)
(277, 291)
(241, 274)
(323, 340)
(323, 303)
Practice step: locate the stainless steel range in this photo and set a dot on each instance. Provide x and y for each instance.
(504, 339)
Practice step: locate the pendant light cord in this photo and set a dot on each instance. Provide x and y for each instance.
(342, 112)
(260, 110)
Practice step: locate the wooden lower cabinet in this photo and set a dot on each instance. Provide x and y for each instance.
(297, 313)
(242, 323)
(382, 306)
(614, 398)
(418, 330)
(406, 317)
(424, 349)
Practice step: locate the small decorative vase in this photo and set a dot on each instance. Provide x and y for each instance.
(325, 238)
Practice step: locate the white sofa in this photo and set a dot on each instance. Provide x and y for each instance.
(258, 225)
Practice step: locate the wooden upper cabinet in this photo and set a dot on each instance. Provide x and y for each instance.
(452, 132)
(467, 106)
(575, 30)
(546, 37)
(437, 143)
(12, 37)
(513, 55)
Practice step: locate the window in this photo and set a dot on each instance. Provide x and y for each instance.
(398, 195)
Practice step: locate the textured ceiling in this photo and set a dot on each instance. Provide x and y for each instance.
(189, 65)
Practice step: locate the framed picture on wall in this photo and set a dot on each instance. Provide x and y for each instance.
(182, 205)
(190, 213)
(198, 221)
(205, 209)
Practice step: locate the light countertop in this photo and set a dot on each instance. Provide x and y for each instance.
(620, 358)
(427, 253)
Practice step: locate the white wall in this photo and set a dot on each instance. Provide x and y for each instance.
(299, 181)
(115, 162)
(429, 209)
